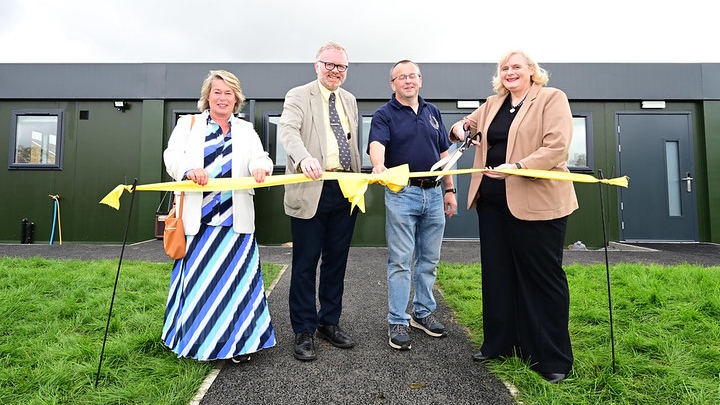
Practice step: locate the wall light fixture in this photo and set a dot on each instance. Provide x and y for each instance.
(121, 105)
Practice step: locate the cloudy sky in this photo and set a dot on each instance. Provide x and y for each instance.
(146, 31)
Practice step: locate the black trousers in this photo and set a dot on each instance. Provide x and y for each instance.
(525, 294)
(325, 238)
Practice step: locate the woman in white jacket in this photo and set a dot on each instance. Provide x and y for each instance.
(216, 306)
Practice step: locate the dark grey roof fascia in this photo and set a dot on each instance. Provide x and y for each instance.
(270, 81)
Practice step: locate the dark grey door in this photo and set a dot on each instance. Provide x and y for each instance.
(655, 151)
(464, 224)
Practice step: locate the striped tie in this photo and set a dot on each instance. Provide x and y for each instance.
(343, 146)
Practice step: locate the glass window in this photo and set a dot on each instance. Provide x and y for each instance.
(271, 126)
(672, 161)
(448, 118)
(365, 120)
(36, 139)
(176, 114)
(179, 113)
(580, 155)
(580, 158)
(271, 129)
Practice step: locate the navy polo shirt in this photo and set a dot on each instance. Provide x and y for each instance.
(415, 139)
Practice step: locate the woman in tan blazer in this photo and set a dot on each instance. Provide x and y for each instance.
(523, 220)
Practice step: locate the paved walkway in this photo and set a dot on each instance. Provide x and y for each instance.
(435, 371)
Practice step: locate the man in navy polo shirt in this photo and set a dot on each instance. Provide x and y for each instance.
(408, 130)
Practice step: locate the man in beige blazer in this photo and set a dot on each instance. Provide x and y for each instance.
(320, 218)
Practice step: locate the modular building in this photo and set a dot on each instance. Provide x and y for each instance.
(75, 131)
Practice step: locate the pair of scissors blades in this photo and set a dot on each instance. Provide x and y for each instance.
(450, 160)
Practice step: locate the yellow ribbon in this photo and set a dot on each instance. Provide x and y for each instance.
(353, 185)
(539, 174)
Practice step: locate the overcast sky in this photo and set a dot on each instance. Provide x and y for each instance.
(143, 31)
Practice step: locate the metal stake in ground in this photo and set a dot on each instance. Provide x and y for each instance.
(607, 269)
(117, 276)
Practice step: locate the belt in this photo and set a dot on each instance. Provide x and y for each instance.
(424, 182)
(339, 169)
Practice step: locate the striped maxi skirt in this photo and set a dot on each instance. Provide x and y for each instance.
(216, 306)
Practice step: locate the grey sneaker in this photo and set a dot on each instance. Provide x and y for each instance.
(399, 337)
(429, 325)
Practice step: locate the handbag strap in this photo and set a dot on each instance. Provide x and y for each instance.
(181, 203)
(162, 200)
(181, 200)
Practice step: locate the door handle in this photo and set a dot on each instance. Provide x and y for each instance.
(688, 181)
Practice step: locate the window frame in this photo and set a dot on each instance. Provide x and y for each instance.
(176, 114)
(364, 128)
(271, 145)
(589, 155)
(365, 138)
(59, 140)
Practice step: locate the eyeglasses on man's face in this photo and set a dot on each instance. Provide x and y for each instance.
(403, 77)
(330, 66)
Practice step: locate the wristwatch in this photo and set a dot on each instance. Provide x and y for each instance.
(451, 190)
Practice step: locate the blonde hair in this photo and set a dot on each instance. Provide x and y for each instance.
(539, 75)
(230, 80)
(330, 45)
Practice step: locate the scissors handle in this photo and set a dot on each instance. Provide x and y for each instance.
(467, 143)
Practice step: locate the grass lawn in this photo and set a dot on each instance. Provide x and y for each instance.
(53, 315)
(666, 328)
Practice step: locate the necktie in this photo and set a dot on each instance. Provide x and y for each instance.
(337, 128)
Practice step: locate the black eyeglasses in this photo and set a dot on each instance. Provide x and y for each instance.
(411, 76)
(331, 66)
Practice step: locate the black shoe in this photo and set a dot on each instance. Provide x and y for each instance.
(553, 378)
(480, 357)
(336, 336)
(304, 346)
(243, 358)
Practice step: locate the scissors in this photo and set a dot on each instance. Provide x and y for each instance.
(450, 160)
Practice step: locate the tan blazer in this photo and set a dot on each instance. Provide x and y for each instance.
(302, 134)
(539, 138)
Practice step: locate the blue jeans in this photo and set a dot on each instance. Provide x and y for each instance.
(414, 227)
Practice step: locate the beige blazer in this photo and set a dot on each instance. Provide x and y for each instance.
(303, 134)
(539, 138)
(185, 151)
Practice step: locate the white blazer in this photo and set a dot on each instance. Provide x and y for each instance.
(185, 151)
